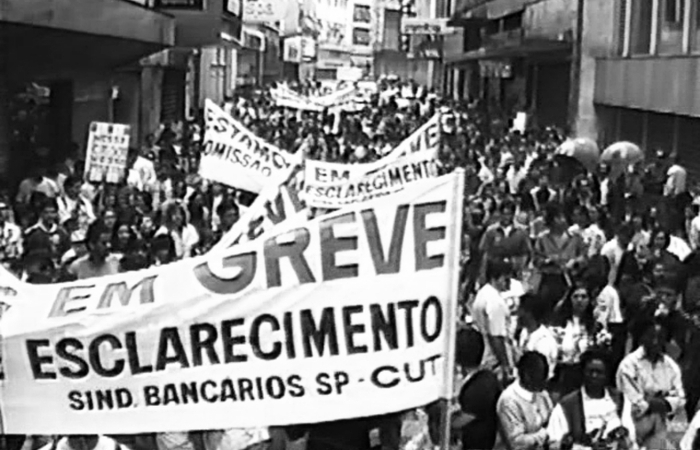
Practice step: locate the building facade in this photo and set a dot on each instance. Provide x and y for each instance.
(516, 55)
(85, 56)
(647, 90)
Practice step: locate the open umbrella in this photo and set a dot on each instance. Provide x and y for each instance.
(583, 150)
(622, 153)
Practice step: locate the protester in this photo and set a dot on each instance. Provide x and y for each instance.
(534, 335)
(524, 407)
(477, 422)
(492, 318)
(99, 261)
(592, 413)
(651, 381)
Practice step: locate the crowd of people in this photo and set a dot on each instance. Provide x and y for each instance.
(579, 314)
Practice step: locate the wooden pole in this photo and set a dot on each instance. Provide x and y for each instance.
(451, 324)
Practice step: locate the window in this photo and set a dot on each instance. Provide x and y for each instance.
(695, 31)
(362, 13)
(621, 20)
(492, 27)
(233, 7)
(640, 30)
(513, 21)
(671, 26)
(180, 4)
(360, 36)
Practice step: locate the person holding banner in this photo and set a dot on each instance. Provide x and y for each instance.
(176, 225)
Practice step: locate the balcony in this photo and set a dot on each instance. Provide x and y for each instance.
(510, 38)
(202, 23)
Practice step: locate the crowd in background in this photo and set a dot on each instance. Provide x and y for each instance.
(579, 299)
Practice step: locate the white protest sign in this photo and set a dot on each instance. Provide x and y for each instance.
(333, 185)
(235, 156)
(349, 315)
(107, 151)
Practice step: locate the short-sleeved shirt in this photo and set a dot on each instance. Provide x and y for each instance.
(492, 318)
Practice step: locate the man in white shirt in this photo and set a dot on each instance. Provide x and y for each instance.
(535, 336)
(73, 205)
(615, 248)
(36, 182)
(492, 318)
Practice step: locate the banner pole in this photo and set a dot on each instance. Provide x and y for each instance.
(445, 416)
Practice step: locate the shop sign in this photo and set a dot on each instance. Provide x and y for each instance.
(413, 26)
(233, 7)
(263, 11)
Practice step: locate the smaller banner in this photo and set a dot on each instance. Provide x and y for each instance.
(107, 150)
(331, 185)
(263, 11)
(234, 156)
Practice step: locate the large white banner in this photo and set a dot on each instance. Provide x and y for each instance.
(348, 315)
(233, 155)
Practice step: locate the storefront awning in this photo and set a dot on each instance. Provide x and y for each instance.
(45, 53)
(119, 19)
(527, 47)
(51, 39)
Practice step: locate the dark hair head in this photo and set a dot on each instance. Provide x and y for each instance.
(666, 235)
(72, 180)
(470, 347)
(668, 282)
(646, 324)
(507, 205)
(497, 268)
(163, 242)
(95, 231)
(551, 212)
(535, 305)
(565, 312)
(594, 354)
(530, 362)
(226, 205)
(46, 203)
